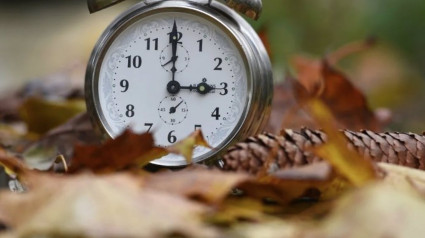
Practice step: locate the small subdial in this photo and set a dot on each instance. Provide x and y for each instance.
(173, 110)
(182, 60)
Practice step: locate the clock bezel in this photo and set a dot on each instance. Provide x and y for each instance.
(221, 16)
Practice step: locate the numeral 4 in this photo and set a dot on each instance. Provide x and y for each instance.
(216, 113)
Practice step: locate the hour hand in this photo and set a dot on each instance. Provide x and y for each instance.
(172, 60)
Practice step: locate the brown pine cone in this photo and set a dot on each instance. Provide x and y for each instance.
(271, 152)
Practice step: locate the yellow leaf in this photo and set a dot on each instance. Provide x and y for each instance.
(42, 115)
(349, 163)
(12, 166)
(186, 146)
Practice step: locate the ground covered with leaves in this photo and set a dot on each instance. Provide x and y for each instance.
(305, 177)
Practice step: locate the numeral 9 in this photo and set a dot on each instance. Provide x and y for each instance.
(124, 84)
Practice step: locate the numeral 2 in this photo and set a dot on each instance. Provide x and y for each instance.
(220, 61)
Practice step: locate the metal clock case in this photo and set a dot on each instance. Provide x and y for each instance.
(257, 82)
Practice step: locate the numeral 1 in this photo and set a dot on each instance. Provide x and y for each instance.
(200, 45)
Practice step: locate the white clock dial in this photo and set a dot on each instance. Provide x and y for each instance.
(171, 73)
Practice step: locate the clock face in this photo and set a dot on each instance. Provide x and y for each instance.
(172, 73)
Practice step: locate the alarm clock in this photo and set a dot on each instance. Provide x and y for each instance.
(173, 67)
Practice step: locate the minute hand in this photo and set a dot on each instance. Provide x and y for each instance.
(202, 88)
(174, 40)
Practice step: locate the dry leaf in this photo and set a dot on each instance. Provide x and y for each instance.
(99, 206)
(12, 165)
(355, 168)
(129, 150)
(185, 147)
(210, 186)
(42, 115)
(315, 181)
(377, 210)
(319, 79)
(346, 102)
(61, 141)
(232, 210)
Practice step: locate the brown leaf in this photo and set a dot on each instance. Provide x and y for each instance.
(9, 107)
(287, 111)
(309, 74)
(129, 150)
(61, 140)
(319, 79)
(346, 102)
(99, 206)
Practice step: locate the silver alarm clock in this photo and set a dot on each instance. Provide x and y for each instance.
(173, 67)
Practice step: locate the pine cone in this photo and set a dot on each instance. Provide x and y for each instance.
(272, 152)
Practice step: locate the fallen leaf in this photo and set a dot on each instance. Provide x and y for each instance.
(346, 102)
(60, 141)
(42, 115)
(315, 181)
(403, 178)
(377, 210)
(210, 186)
(232, 210)
(358, 170)
(13, 166)
(319, 79)
(214, 186)
(129, 150)
(186, 146)
(100, 206)
(287, 107)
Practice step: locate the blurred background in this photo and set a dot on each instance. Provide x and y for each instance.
(46, 38)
